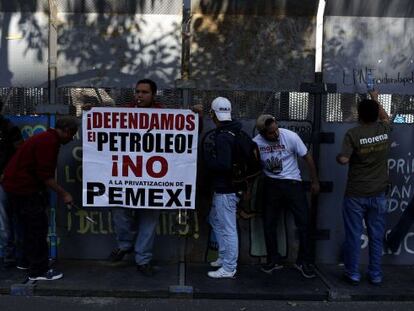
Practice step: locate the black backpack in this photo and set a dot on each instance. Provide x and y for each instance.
(246, 160)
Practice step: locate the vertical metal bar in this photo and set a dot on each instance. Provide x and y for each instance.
(52, 53)
(317, 120)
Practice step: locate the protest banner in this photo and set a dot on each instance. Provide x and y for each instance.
(139, 158)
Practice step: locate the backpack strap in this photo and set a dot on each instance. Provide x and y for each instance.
(228, 132)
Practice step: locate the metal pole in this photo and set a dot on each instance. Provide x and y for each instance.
(52, 53)
(317, 118)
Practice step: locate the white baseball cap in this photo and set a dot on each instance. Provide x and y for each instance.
(222, 108)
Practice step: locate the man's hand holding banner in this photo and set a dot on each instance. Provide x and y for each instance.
(139, 158)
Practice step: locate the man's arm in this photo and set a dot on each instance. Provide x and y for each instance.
(382, 114)
(62, 193)
(198, 109)
(341, 159)
(315, 187)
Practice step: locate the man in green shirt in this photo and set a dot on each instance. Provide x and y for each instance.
(365, 148)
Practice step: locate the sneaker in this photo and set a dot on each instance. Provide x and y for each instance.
(146, 269)
(270, 267)
(217, 263)
(118, 254)
(350, 280)
(50, 275)
(306, 270)
(22, 264)
(221, 274)
(377, 281)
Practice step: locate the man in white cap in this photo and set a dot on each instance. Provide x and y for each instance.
(279, 150)
(222, 216)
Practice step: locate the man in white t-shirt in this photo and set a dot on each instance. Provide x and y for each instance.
(279, 151)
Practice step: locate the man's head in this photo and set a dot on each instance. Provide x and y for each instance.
(66, 127)
(368, 111)
(220, 110)
(267, 126)
(145, 91)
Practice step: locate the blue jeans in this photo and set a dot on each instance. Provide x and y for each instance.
(141, 238)
(222, 219)
(373, 211)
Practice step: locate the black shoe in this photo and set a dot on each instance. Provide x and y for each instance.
(118, 254)
(22, 264)
(22, 267)
(270, 267)
(50, 275)
(306, 270)
(375, 281)
(350, 280)
(146, 269)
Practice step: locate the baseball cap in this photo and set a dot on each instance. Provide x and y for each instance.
(261, 121)
(222, 108)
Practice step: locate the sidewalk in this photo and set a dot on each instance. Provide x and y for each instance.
(100, 279)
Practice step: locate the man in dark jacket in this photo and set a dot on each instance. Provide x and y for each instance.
(222, 216)
(27, 175)
(10, 139)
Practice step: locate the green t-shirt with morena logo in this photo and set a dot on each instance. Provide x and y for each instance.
(367, 147)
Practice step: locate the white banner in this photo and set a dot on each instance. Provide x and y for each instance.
(139, 158)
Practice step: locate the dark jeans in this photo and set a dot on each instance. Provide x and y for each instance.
(399, 231)
(281, 193)
(31, 211)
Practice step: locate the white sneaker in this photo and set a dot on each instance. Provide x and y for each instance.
(217, 263)
(221, 273)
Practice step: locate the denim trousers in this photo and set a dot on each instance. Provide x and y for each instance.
(135, 228)
(373, 211)
(290, 194)
(222, 219)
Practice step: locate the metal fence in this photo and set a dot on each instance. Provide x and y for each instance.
(246, 104)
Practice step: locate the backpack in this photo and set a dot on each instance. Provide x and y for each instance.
(246, 160)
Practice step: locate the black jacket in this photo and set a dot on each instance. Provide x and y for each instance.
(220, 162)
